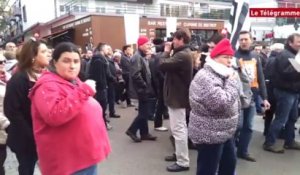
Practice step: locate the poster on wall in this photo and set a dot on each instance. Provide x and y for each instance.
(171, 25)
(132, 28)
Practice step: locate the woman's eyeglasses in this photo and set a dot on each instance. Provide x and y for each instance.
(2, 61)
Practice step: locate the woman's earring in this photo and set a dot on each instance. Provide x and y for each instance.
(33, 60)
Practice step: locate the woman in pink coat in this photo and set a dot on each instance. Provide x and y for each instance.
(70, 134)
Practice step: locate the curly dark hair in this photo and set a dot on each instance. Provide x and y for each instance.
(183, 33)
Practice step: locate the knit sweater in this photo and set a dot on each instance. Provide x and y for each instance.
(214, 100)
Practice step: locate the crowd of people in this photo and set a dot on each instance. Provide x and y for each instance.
(55, 100)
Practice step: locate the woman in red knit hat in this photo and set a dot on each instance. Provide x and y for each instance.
(214, 100)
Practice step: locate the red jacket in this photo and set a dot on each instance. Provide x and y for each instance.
(68, 125)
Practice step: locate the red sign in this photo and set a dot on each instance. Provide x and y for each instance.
(275, 12)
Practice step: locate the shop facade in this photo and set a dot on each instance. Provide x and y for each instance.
(88, 31)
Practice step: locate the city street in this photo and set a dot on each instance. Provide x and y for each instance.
(147, 158)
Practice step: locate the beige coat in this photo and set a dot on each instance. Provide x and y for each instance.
(4, 122)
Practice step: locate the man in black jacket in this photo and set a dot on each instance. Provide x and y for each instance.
(125, 66)
(179, 71)
(141, 81)
(158, 78)
(99, 72)
(286, 91)
(111, 92)
(269, 71)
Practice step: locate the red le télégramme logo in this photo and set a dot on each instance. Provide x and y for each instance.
(275, 12)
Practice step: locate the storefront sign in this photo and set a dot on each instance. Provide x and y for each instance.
(76, 23)
(190, 24)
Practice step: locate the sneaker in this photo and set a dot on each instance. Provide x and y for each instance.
(294, 146)
(273, 149)
(161, 129)
(149, 137)
(130, 105)
(107, 118)
(246, 157)
(171, 158)
(133, 136)
(176, 168)
(108, 126)
(114, 116)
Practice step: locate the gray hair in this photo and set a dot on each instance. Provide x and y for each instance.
(277, 46)
(117, 54)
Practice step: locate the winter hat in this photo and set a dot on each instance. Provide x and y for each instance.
(142, 40)
(222, 48)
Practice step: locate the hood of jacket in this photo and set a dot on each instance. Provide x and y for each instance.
(48, 77)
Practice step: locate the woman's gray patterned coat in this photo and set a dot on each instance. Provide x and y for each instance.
(214, 100)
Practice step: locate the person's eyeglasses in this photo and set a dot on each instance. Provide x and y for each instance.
(2, 61)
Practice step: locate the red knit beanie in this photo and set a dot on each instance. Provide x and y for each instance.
(222, 48)
(142, 40)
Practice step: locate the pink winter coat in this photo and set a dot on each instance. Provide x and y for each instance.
(68, 125)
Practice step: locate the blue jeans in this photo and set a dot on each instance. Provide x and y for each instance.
(141, 121)
(257, 99)
(152, 108)
(246, 129)
(214, 158)
(92, 170)
(286, 115)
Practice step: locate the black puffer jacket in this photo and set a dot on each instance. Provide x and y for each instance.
(285, 76)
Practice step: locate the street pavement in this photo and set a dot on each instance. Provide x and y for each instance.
(147, 157)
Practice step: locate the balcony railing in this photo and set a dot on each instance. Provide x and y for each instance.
(155, 10)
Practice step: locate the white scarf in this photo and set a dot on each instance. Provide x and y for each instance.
(219, 68)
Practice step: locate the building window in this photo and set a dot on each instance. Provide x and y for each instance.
(204, 34)
(83, 9)
(170, 10)
(61, 8)
(98, 9)
(76, 8)
(160, 33)
(24, 13)
(67, 8)
(118, 11)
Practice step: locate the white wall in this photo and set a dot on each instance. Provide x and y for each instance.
(284, 31)
(112, 7)
(261, 26)
(38, 11)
